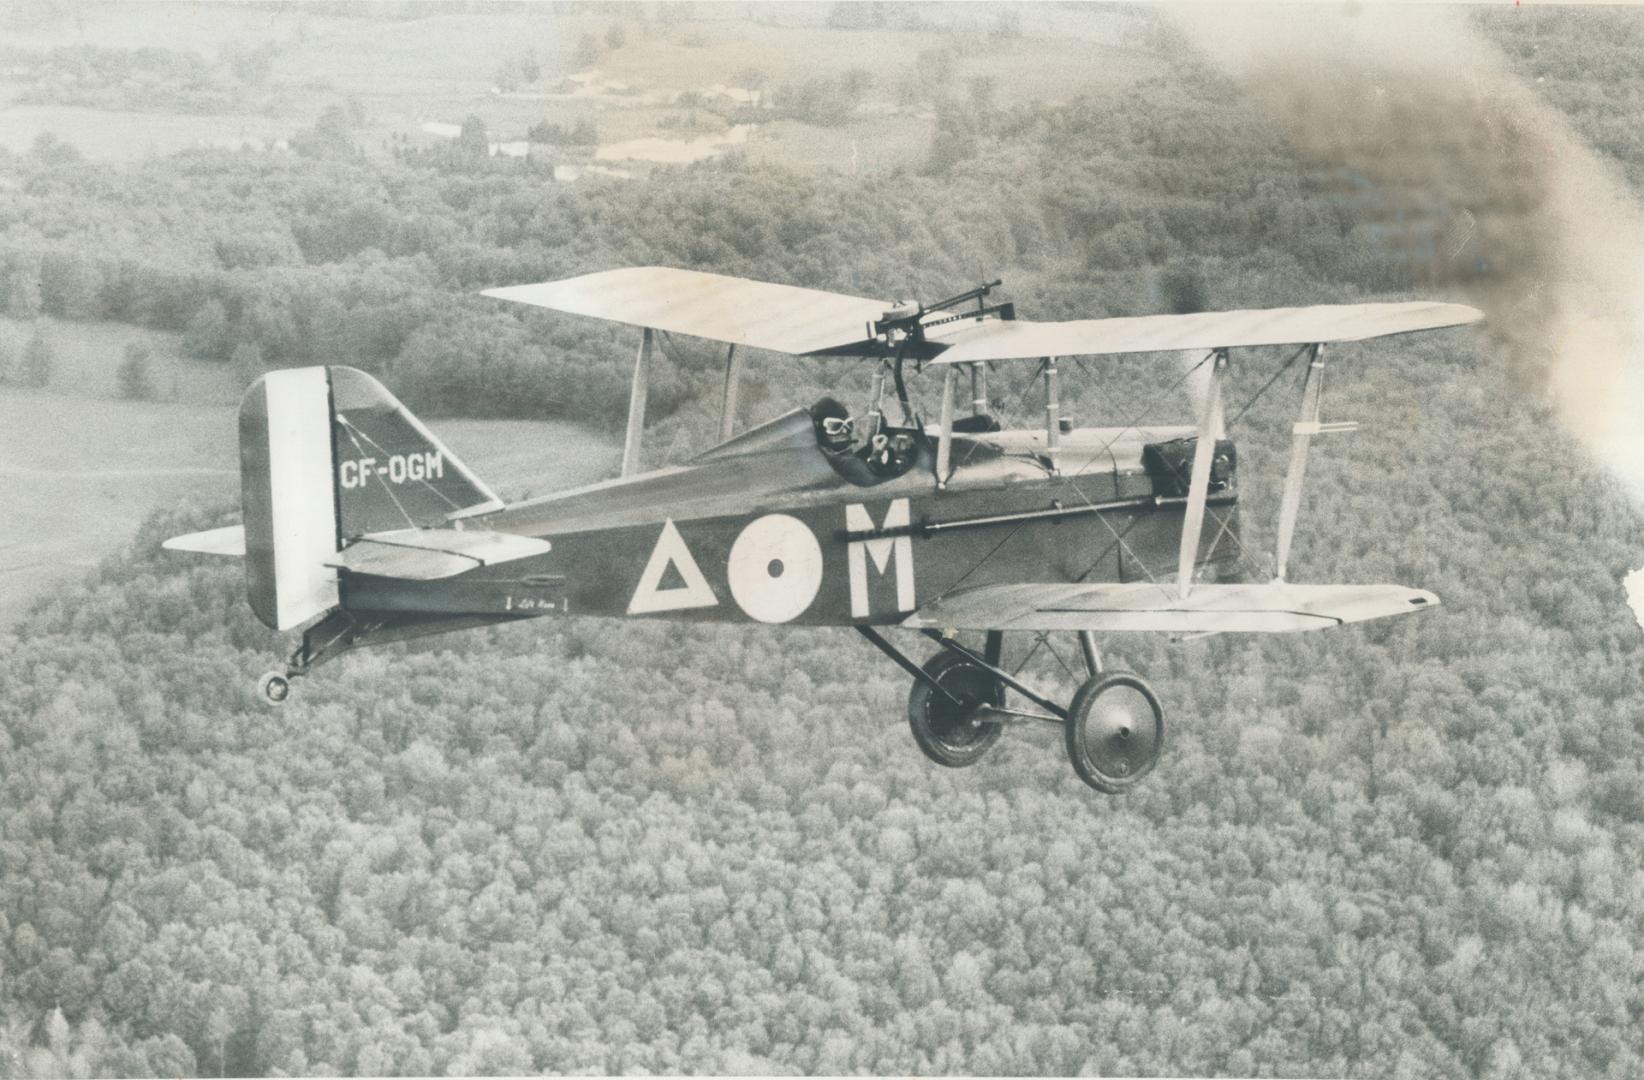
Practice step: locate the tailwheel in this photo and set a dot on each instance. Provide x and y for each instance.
(1115, 731)
(947, 730)
(273, 688)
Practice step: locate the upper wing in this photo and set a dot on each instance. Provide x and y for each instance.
(1253, 609)
(759, 314)
(1012, 340)
(789, 319)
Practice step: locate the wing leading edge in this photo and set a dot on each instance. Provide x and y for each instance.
(1278, 607)
(800, 321)
(1023, 340)
(757, 314)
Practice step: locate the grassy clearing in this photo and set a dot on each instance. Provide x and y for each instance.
(80, 470)
(130, 136)
(89, 353)
(79, 475)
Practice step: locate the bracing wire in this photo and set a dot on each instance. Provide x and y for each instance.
(1147, 409)
(355, 438)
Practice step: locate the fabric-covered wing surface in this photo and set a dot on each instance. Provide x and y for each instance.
(1148, 606)
(229, 540)
(758, 314)
(430, 554)
(1005, 340)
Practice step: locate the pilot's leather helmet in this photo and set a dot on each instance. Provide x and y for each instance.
(833, 425)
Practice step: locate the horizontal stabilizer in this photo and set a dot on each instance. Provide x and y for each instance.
(1021, 340)
(1279, 607)
(430, 554)
(758, 314)
(229, 540)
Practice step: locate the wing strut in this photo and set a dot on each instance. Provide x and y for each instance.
(1204, 453)
(1307, 423)
(1053, 416)
(636, 405)
(727, 407)
(1307, 426)
(944, 445)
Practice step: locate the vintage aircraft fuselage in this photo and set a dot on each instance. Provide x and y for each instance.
(766, 528)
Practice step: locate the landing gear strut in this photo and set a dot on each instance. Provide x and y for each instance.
(1113, 729)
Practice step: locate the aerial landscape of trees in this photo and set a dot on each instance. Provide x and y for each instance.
(617, 846)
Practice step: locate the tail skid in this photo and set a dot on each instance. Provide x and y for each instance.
(342, 630)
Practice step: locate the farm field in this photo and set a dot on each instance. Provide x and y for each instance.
(87, 354)
(81, 469)
(437, 67)
(124, 135)
(79, 476)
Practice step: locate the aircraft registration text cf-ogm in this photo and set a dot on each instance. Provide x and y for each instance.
(398, 469)
(360, 526)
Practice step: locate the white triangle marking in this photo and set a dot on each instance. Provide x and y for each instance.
(695, 593)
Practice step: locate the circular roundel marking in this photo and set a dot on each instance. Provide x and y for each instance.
(775, 568)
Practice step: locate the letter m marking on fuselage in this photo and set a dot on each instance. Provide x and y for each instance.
(883, 551)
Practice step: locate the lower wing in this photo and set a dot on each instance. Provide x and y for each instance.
(1274, 608)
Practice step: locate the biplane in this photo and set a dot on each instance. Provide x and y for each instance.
(361, 527)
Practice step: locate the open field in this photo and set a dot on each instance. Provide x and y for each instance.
(78, 476)
(89, 353)
(80, 470)
(119, 135)
(403, 72)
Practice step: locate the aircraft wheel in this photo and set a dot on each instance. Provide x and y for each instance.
(944, 731)
(1115, 731)
(273, 688)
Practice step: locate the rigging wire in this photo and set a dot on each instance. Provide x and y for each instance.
(355, 437)
(1147, 409)
(1223, 522)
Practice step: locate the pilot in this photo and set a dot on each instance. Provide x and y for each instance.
(888, 453)
(834, 431)
(836, 436)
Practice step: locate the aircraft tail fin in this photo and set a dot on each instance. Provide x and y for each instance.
(328, 455)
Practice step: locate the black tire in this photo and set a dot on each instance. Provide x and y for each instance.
(945, 732)
(273, 689)
(1114, 731)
